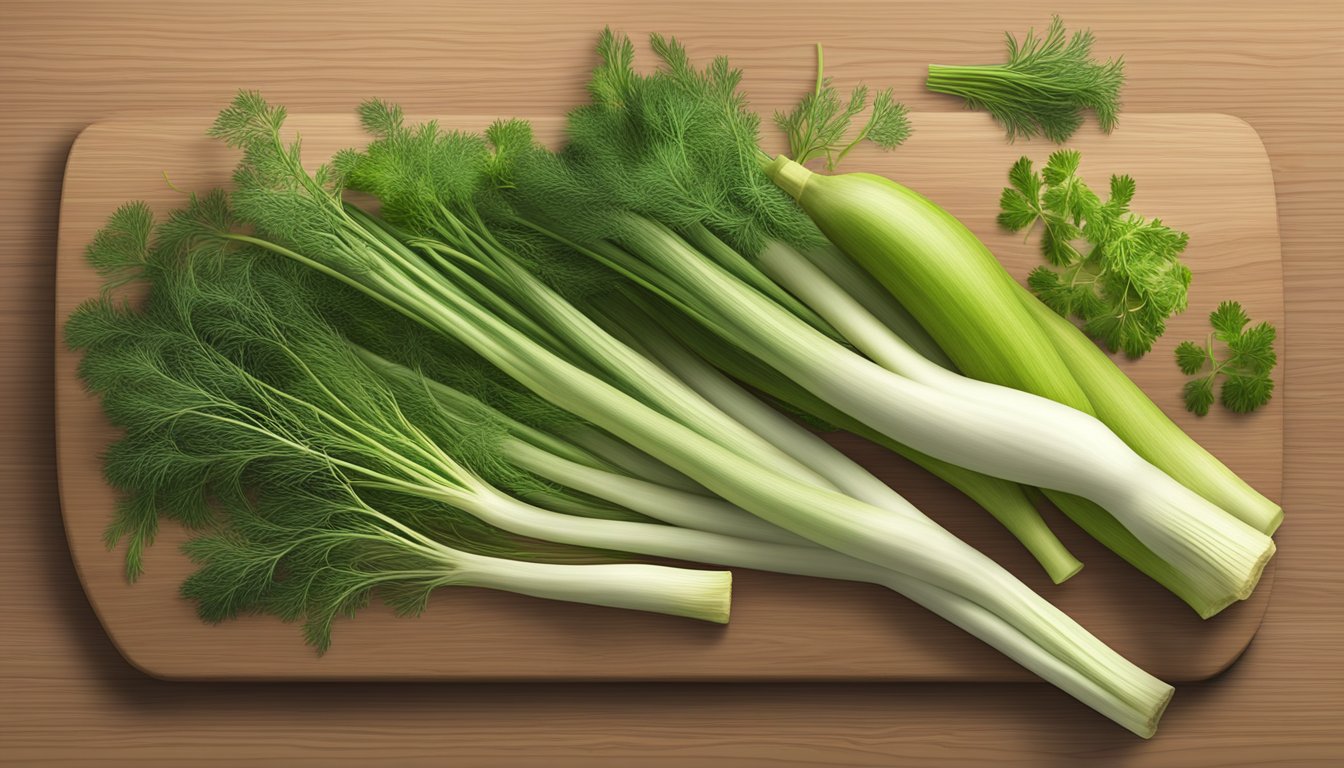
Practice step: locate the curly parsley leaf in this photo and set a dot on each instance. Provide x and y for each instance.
(1191, 357)
(1020, 203)
(1115, 271)
(1198, 395)
(1246, 364)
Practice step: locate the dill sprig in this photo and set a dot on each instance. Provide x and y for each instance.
(1044, 88)
(1244, 366)
(818, 123)
(1128, 279)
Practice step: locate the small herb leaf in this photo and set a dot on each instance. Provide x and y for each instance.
(1118, 273)
(1228, 320)
(1199, 396)
(1245, 368)
(1190, 357)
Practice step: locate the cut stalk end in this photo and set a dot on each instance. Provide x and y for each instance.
(1257, 570)
(1275, 519)
(1061, 568)
(1148, 728)
(788, 175)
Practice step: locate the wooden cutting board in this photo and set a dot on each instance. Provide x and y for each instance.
(1204, 173)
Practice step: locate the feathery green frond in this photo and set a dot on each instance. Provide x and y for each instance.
(1044, 88)
(888, 125)
(120, 250)
(414, 171)
(310, 555)
(611, 79)
(678, 145)
(277, 196)
(509, 140)
(818, 123)
(318, 481)
(380, 118)
(249, 121)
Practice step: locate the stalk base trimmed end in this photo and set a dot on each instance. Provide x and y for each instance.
(1247, 588)
(1258, 570)
(1149, 728)
(713, 603)
(1273, 523)
(1061, 571)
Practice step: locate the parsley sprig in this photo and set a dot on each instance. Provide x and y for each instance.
(1117, 272)
(1244, 368)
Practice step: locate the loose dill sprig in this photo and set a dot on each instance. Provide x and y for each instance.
(1127, 281)
(1244, 367)
(1043, 89)
(817, 125)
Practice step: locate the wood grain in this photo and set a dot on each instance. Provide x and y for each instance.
(1208, 174)
(69, 699)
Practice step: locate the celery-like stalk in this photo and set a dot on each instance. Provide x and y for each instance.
(1119, 402)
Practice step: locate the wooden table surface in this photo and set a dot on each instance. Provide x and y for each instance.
(66, 697)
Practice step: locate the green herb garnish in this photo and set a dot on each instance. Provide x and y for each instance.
(817, 125)
(1244, 367)
(1125, 280)
(1043, 89)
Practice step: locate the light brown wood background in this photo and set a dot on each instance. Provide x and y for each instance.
(68, 697)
